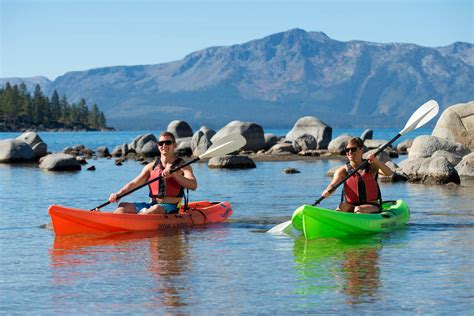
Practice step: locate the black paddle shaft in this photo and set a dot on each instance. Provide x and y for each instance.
(147, 183)
(359, 167)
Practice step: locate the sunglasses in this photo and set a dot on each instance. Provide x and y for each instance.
(165, 142)
(351, 149)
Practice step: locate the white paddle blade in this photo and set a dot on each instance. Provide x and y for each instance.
(280, 228)
(225, 145)
(423, 115)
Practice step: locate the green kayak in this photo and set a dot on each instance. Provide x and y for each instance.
(317, 222)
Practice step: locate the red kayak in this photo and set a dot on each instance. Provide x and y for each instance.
(70, 221)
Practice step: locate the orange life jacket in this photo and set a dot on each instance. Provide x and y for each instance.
(361, 188)
(165, 186)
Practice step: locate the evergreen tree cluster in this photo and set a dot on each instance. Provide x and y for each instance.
(19, 109)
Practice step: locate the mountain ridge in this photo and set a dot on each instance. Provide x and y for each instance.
(277, 79)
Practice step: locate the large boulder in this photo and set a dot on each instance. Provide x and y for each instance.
(404, 146)
(270, 140)
(425, 146)
(338, 144)
(36, 143)
(180, 129)
(304, 143)
(252, 132)
(456, 124)
(465, 168)
(282, 149)
(14, 150)
(201, 140)
(145, 145)
(59, 162)
(375, 143)
(231, 162)
(312, 126)
(437, 170)
(367, 134)
(452, 157)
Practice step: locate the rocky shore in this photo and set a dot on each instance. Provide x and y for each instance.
(445, 156)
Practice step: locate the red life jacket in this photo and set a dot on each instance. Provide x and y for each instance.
(361, 188)
(165, 186)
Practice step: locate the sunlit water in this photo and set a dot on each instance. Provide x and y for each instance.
(231, 268)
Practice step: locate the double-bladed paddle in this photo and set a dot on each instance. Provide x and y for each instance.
(420, 117)
(222, 146)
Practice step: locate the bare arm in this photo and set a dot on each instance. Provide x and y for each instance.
(338, 176)
(185, 177)
(137, 181)
(379, 166)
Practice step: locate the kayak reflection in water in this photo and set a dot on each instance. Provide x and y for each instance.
(361, 191)
(362, 274)
(166, 193)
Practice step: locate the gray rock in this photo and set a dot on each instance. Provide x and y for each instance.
(36, 143)
(184, 142)
(201, 140)
(404, 146)
(200, 143)
(367, 134)
(425, 146)
(375, 143)
(59, 162)
(465, 168)
(437, 170)
(397, 175)
(384, 156)
(456, 124)
(149, 149)
(180, 129)
(338, 144)
(282, 149)
(231, 162)
(270, 141)
(14, 150)
(290, 170)
(252, 132)
(102, 151)
(304, 142)
(121, 150)
(312, 126)
(145, 145)
(208, 132)
(452, 157)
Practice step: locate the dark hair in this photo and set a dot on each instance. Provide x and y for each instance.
(356, 141)
(168, 134)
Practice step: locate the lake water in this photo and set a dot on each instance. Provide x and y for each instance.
(235, 267)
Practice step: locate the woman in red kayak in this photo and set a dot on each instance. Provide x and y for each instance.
(166, 193)
(361, 193)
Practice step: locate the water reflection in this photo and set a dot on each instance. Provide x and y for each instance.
(156, 260)
(169, 260)
(350, 266)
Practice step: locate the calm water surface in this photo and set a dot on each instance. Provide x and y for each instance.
(234, 267)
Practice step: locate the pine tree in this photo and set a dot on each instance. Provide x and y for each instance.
(55, 107)
(39, 106)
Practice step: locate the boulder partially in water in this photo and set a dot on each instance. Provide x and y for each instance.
(14, 150)
(59, 162)
(232, 162)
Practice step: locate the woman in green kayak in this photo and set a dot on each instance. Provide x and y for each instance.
(361, 193)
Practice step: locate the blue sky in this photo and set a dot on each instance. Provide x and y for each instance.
(51, 37)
